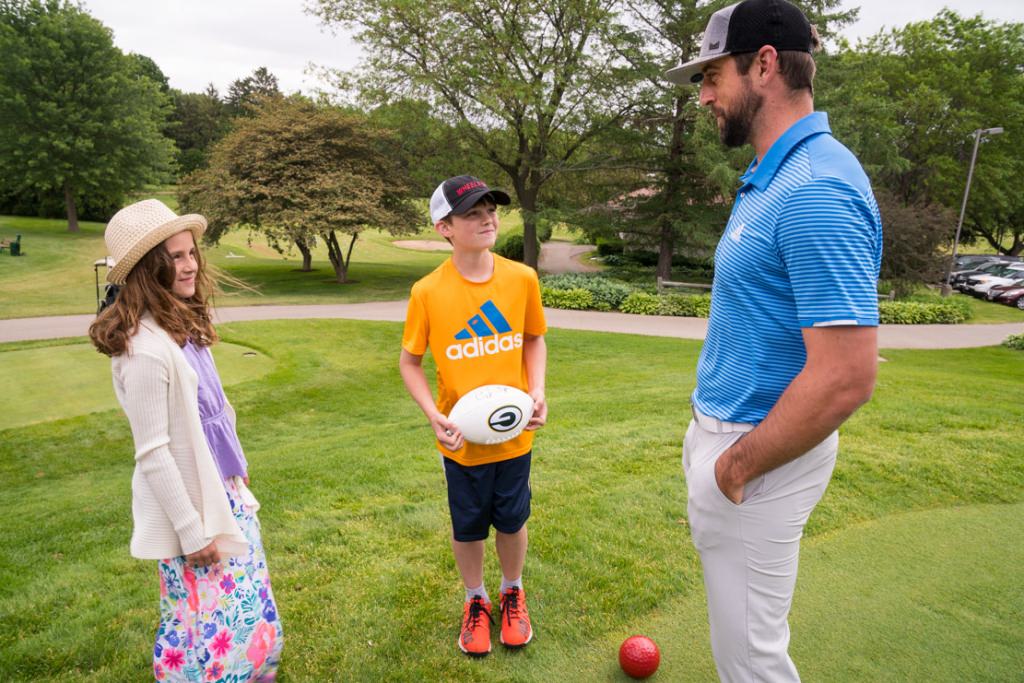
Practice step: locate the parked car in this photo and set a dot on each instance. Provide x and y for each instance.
(969, 261)
(986, 282)
(995, 274)
(983, 268)
(996, 290)
(1011, 295)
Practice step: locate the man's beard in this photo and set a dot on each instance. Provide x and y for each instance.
(736, 125)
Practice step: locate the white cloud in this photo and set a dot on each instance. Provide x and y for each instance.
(878, 14)
(196, 42)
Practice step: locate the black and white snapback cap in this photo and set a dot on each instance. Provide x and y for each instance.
(747, 27)
(460, 194)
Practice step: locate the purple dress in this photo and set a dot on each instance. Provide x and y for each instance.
(217, 426)
(219, 623)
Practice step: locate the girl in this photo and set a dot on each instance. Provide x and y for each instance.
(191, 505)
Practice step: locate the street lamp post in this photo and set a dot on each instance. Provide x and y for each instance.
(978, 134)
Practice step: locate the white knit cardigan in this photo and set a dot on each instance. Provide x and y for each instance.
(178, 501)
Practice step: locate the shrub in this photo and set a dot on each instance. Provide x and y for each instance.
(544, 229)
(641, 303)
(698, 265)
(913, 240)
(605, 290)
(923, 313)
(688, 305)
(1014, 341)
(511, 247)
(573, 299)
(608, 246)
(643, 257)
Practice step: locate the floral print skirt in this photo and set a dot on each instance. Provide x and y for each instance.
(219, 624)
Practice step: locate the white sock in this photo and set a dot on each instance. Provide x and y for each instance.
(479, 590)
(514, 583)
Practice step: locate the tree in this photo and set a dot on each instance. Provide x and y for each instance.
(75, 115)
(429, 147)
(147, 68)
(528, 83)
(297, 173)
(197, 121)
(246, 93)
(694, 177)
(913, 238)
(945, 78)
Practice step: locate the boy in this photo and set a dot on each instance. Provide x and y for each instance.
(476, 293)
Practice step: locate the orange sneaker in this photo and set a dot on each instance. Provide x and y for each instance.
(475, 635)
(516, 630)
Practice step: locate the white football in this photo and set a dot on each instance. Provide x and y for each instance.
(493, 413)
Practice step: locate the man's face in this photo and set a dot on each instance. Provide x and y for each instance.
(731, 98)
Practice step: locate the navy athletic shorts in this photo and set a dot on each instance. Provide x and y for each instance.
(480, 496)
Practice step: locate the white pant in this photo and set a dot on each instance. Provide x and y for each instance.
(750, 551)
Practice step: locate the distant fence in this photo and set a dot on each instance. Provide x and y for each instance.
(664, 284)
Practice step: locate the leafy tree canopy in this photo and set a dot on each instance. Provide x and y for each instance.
(75, 115)
(147, 68)
(692, 176)
(197, 121)
(297, 173)
(909, 100)
(528, 83)
(244, 94)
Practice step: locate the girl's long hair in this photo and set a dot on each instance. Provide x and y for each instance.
(148, 288)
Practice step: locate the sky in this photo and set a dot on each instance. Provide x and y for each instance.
(197, 42)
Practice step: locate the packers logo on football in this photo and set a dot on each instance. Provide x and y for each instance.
(505, 418)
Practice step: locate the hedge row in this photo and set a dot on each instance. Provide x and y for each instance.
(949, 311)
(572, 299)
(577, 291)
(608, 294)
(1014, 341)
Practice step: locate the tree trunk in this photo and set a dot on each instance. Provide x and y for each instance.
(528, 206)
(339, 261)
(72, 210)
(673, 182)
(666, 247)
(307, 255)
(997, 242)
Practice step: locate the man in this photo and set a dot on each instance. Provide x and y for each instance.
(791, 349)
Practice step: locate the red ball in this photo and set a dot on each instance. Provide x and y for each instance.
(639, 656)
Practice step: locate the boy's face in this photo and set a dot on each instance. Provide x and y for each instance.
(476, 229)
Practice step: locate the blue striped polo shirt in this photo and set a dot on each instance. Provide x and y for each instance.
(802, 248)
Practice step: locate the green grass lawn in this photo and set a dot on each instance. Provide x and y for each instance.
(56, 276)
(910, 569)
(85, 374)
(983, 311)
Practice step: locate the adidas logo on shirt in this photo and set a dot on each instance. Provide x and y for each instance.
(480, 339)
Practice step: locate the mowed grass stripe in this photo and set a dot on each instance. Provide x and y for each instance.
(929, 595)
(72, 380)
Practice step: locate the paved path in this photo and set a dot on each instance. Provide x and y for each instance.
(890, 336)
(563, 257)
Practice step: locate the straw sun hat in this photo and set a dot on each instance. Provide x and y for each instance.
(139, 227)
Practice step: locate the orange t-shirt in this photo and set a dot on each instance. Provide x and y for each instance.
(475, 332)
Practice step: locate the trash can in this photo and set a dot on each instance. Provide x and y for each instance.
(16, 247)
